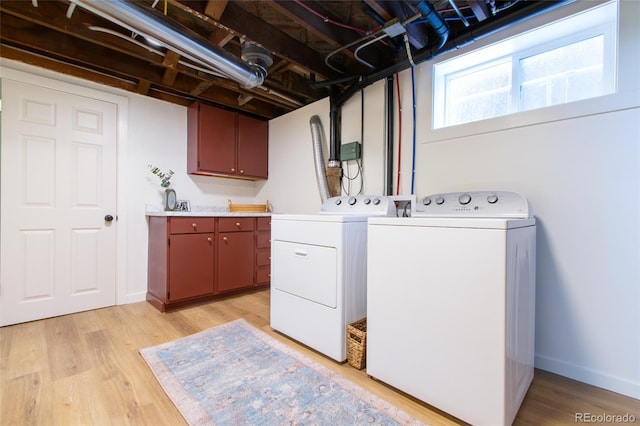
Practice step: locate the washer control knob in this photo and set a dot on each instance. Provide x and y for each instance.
(464, 199)
(376, 201)
(352, 201)
(440, 201)
(367, 201)
(338, 201)
(426, 201)
(492, 199)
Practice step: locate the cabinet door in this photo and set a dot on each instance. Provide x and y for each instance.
(190, 266)
(253, 147)
(235, 260)
(216, 140)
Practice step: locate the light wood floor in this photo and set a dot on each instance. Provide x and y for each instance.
(85, 369)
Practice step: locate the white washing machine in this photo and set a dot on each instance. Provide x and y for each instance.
(319, 271)
(451, 298)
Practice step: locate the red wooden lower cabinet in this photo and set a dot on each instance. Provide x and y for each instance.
(190, 266)
(235, 259)
(263, 250)
(192, 259)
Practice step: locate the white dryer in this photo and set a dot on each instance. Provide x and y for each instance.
(319, 271)
(450, 303)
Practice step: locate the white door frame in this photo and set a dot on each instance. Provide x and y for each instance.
(40, 77)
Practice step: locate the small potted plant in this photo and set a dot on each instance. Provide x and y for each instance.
(165, 181)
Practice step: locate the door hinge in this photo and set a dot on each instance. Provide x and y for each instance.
(168, 295)
(168, 241)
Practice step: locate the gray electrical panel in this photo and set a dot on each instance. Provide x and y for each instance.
(350, 151)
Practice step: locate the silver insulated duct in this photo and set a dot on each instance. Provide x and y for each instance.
(152, 24)
(318, 157)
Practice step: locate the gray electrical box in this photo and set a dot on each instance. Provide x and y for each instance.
(350, 151)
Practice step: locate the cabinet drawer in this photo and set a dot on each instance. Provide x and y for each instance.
(191, 225)
(263, 275)
(230, 224)
(264, 223)
(264, 239)
(263, 257)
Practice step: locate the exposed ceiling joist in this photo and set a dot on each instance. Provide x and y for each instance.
(301, 35)
(480, 9)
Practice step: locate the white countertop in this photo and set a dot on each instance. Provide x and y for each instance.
(199, 211)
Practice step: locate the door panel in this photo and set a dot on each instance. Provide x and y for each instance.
(84, 255)
(58, 181)
(39, 278)
(253, 147)
(217, 140)
(190, 266)
(235, 260)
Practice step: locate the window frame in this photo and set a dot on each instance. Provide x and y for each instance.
(521, 44)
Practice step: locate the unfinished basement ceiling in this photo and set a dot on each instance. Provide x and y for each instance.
(302, 45)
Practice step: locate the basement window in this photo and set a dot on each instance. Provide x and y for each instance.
(566, 61)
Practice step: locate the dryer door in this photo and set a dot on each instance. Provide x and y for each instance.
(305, 270)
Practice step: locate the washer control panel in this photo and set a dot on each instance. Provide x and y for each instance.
(364, 205)
(481, 204)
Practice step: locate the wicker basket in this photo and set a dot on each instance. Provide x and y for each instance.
(249, 208)
(357, 344)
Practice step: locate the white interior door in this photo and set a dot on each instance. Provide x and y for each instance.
(58, 184)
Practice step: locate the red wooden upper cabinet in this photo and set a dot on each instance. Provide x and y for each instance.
(226, 143)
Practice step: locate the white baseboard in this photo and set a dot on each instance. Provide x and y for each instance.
(134, 298)
(583, 374)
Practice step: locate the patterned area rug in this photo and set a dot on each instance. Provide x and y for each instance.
(235, 374)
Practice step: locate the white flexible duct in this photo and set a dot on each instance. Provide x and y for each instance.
(318, 157)
(150, 23)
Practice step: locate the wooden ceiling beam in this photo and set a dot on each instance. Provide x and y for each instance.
(480, 9)
(50, 15)
(373, 4)
(143, 87)
(77, 51)
(246, 25)
(171, 62)
(95, 48)
(215, 8)
(220, 37)
(335, 35)
(20, 55)
(138, 74)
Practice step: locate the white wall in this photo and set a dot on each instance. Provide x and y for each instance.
(292, 186)
(580, 169)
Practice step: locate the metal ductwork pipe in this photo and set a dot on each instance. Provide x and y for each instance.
(318, 157)
(150, 23)
(435, 21)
